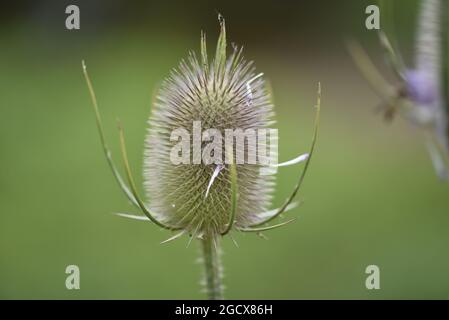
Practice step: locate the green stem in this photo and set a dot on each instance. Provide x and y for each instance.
(212, 267)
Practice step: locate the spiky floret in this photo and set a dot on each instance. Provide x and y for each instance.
(224, 93)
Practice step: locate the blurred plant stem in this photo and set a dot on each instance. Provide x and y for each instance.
(212, 267)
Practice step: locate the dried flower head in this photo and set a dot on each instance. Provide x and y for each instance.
(208, 199)
(216, 95)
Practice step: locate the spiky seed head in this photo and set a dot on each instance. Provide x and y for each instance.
(216, 93)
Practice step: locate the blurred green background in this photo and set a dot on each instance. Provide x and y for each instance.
(371, 196)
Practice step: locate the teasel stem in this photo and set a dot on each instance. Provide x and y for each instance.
(212, 267)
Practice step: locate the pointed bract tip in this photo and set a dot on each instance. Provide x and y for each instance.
(221, 20)
(220, 55)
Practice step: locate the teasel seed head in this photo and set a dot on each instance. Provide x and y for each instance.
(208, 199)
(222, 93)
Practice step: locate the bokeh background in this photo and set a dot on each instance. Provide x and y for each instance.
(371, 196)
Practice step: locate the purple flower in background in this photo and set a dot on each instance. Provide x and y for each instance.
(421, 88)
(420, 94)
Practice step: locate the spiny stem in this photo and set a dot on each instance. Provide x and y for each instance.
(212, 267)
